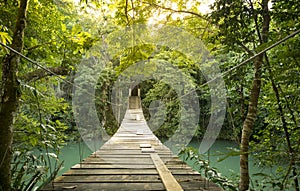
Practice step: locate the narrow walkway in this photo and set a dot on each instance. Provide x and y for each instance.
(133, 159)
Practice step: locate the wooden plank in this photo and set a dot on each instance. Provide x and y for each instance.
(171, 167)
(189, 177)
(134, 138)
(145, 145)
(111, 178)
(137, 149)
(121, 162)
(129, 152)
(118, 156)
(112, 166)
(139, 132)
(129, 134)
(183, 172)
(168, 179)
(174, 162)
(105, 186)
(83, 172)
(145, 160)
(148, 150)
(140, 155)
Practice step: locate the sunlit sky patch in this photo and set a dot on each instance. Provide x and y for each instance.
(159, 16)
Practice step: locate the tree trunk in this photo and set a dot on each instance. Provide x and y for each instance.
(9, 98)
(248, 124)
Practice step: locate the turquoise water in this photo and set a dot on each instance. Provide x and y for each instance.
(72, 154)
(228, 166)
(231, 164)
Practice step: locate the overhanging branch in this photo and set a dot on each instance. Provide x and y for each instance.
(41, 73)
(178, 11)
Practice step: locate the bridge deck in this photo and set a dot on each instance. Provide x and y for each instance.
(133, 159)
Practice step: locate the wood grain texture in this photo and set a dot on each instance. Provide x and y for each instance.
(168, 179)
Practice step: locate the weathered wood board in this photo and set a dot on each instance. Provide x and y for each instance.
(120, 164)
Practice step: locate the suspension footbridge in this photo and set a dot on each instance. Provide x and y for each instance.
(133, 159)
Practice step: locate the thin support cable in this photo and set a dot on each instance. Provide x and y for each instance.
(245, 61)
(51, 72)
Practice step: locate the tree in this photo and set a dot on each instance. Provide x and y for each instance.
(235, 19)
(54, 41)
(10, 96)
(249, 122)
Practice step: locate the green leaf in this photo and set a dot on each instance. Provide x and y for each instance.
(232, 152)
(5, 38)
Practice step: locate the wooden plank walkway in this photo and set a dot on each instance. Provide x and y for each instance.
(133, 159)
